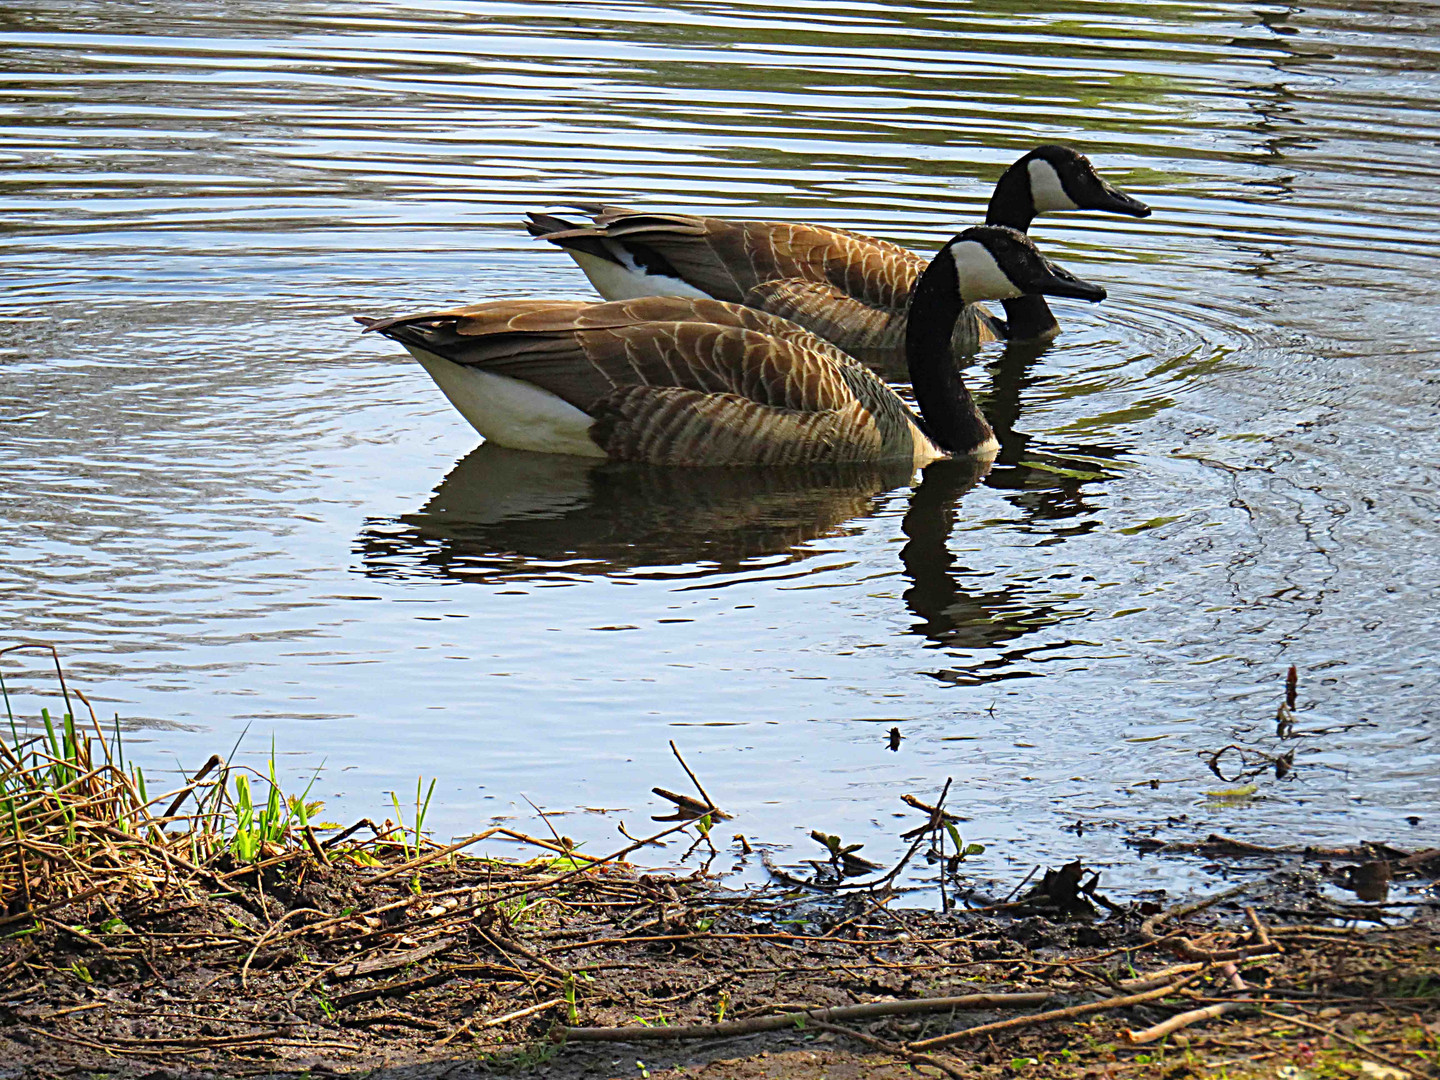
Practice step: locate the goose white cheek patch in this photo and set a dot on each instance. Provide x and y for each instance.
(980, 275)
(1046, 191)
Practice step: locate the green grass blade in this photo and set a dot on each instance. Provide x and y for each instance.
(15, 735)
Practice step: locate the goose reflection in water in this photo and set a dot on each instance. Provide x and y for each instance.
(1047, 478)
(968, 622)
(504, 516)
(508, 515)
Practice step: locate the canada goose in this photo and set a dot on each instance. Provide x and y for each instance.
(849, 289)
(700, 382)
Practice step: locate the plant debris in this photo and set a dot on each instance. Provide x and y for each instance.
(210, 931)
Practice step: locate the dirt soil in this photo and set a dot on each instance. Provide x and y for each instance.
(469, 967)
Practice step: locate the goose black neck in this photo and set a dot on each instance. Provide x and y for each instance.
(950, 417)
(1012, 203)
(1028, 317)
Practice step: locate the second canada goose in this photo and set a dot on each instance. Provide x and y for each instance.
(849, 289)
(679, 381)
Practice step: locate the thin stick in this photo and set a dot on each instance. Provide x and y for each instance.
(548, 882)
(495, 1021)
(503, 943)
(1336, 1035)
(1055, 1014)
(544, 819)
(937, 819)
(1261, 934)
(1011, 894)
(517, 890)
(60, 674)
(1181, 1020)
(215, 759)
(548, 845)
(1180, 911)
(709, 802)
(431, 856)
(520, 1014)
(245, 967)
(1157, 978)
(56, 906)
(707, 935)
(1184, 947)
(313, 843)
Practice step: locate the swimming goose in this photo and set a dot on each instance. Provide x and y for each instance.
(849, 289)
(678, 381)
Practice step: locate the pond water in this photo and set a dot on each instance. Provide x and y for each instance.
(233, 514)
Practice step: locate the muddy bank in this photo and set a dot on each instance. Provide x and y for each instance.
(220, 929)
(459, 967)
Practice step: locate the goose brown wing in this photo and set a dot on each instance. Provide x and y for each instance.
(862, 267)
(561, 315)
(728, 258)
(582, 352)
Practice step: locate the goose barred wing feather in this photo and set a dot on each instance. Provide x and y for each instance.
(756, 388)
(500, 316)
(673, 426)
(876, 271)
(580, 352)
(830, 313)
(869, 270)
(859, 328)
(728, 258)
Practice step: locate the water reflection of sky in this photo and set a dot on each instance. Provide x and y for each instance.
(229, 510)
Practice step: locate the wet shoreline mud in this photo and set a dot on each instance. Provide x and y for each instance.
(210, 931)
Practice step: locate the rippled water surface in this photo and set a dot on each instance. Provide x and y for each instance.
(231, 512)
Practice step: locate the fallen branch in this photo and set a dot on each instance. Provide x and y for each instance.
(1073, 1011)
(394, 988)
(937, 821)
(1180, 911)
(1181, 1020)
(1194, 1016)
(1261, 934)
(45, 909)
(709, 802)
(684, 804)
(1157, 978)
(185, 791)
(1186, 949)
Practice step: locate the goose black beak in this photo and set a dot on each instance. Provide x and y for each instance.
(1057, 281)
(1114, 201)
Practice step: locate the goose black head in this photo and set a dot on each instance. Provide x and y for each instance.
(988, 262)
(995, 262)
(1052, 178)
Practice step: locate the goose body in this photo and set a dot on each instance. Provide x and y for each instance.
(694, 381)
(850, 289)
